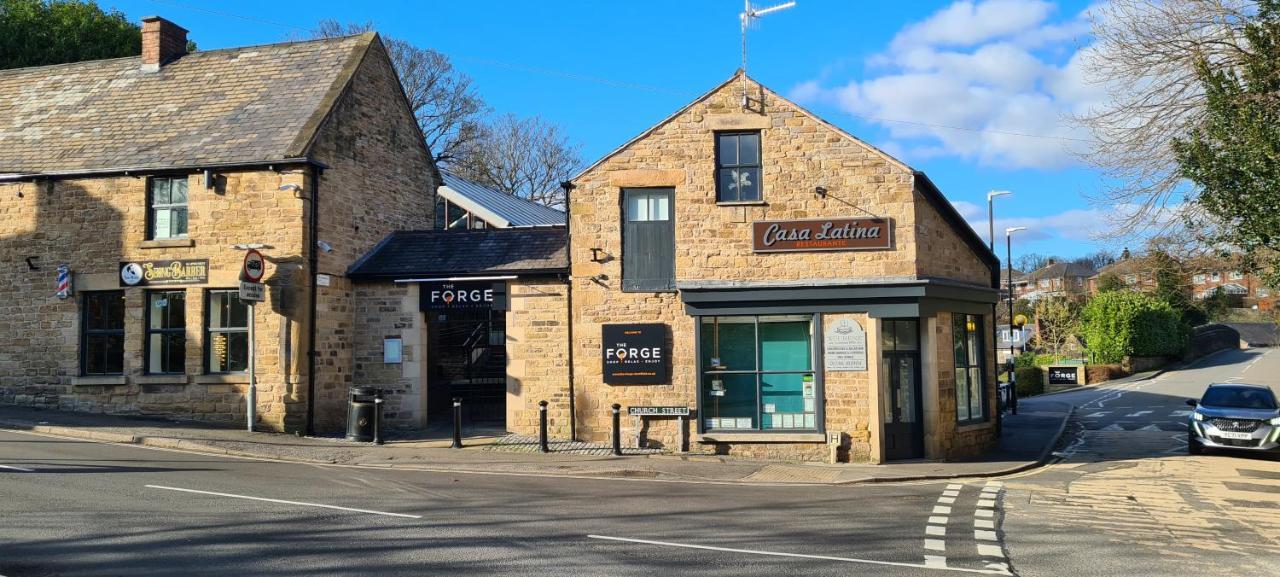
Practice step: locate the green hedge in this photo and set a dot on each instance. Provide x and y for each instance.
(1121, 324)
(1030, 381)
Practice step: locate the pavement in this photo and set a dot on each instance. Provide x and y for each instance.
(1111, 501)
(1026, 443)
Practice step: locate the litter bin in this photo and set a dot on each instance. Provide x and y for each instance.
(364, 416)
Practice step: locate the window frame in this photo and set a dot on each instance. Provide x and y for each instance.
(637, 285)
(960, 320)
(147, 331)
(815, 347)
(152, 207)
(209, 331)
(85, 331)
(759, 165)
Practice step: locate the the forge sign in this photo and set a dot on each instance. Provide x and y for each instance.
(453, 296)
(634, 354)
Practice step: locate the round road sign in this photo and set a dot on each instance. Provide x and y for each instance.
(254, 266)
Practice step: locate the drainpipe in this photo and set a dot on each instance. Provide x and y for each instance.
(568, 228)
(313, 259)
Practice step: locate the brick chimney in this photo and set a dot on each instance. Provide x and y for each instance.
(162, 42)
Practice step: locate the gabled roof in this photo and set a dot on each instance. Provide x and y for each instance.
(461, 253)
(1060, 270)
(215, 107)
(496, 207)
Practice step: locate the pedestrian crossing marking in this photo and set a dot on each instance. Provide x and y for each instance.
(935, 530)
(984, 535)
(990, 551)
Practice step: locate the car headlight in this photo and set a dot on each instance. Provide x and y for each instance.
(1197, 416)
(1275, 421)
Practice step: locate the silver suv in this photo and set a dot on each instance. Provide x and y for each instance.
(1234, 416)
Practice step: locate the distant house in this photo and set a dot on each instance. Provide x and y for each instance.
(1137, 273)
(463, 204)
(1057, 279)
(1246, 289)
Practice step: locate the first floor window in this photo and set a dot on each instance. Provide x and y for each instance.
(227, 332)
(167, 215)
(966, 339)
(737, 166)
(102, 333)
(758, 373)
(166, 332)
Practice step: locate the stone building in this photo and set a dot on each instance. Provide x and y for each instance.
(141, 175)
(797, 290)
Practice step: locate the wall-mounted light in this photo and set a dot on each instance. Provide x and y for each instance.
(31, 265)
(600, 279)
(600, 255)
(820, 190)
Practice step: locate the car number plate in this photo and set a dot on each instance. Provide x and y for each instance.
(1234, 435)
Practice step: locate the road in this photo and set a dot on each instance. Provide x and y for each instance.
(1124, 500)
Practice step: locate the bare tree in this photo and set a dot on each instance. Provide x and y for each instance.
(1031, 262)
(526, 157)
(1144, 55)
(443, 100)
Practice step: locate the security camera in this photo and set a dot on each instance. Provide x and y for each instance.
(324, 246)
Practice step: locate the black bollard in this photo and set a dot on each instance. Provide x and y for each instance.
(542, 427)
(1014, 395)
(617, 429)
(377, 417)
(457, 423)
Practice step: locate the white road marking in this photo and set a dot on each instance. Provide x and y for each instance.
(23, 469)
(954, 487)
(1097, 414)
(990, 550)
(1150, 428)
(283, 502)
(935, 561)
(946, 500)
(1112, 427)
(995, 483)
(986, 503)
(951, 493)
(935, 530)
(935, 544)
(937, 520)
(797, 555)
(1180, 413)
(1139, 413)
(942, 510)
(984, 535)
(984, 513)
(984, 523)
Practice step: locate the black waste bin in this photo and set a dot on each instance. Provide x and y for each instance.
(364, 414)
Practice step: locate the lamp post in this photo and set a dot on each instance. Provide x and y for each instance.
(1008, 245)
(991, 216)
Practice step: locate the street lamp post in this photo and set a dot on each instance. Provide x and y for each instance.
(991, 216)
(1008, 245)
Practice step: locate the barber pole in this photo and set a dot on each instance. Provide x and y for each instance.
(64, 281)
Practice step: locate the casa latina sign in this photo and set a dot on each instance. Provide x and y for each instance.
(829, 234)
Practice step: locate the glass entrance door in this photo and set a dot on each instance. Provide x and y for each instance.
(900, 374)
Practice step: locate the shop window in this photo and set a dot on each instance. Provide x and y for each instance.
(167, 214)
(227, 332)
(758, 373)
(102, 333)
(166, 342)
(738, 166)
(648, 240)
(966, 338)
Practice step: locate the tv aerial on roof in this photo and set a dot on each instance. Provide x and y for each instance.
(748, 16)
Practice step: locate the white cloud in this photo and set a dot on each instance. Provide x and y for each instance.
(985, 81)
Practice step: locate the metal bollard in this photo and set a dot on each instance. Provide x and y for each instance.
(377, 417)
(617, 429)
(542, 427)
(457, 423)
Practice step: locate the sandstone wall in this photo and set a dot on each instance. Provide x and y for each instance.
(538, 356)
(388, 310)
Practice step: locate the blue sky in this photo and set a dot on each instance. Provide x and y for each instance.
(973, 93)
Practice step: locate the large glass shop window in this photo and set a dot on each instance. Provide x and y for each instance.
(227, 328)
(971, 385)
(758, 373)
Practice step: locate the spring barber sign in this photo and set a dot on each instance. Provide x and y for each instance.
(634, 354)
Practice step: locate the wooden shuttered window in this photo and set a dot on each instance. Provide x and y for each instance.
(648, 240)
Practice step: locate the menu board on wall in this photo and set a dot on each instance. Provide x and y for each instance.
(844, 346)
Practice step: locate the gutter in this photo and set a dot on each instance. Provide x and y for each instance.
(129, 171)
(568, 187)
(313, 263)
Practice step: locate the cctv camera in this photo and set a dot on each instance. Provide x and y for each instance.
(324, 246)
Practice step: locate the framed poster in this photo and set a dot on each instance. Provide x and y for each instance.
(634, 354)
(844, 346)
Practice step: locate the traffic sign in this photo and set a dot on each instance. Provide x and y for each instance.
(254, 266)
(253, 291)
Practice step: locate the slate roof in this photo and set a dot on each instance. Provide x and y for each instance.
(450, 253)
(247, 104)
(1060, 270)
(509, 210)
